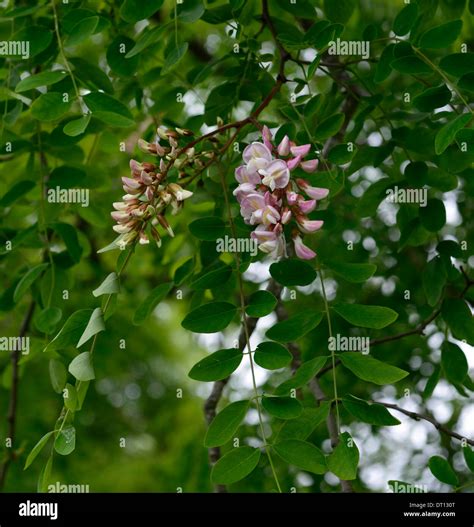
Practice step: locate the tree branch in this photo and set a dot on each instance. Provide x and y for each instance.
(13, 404)
(417, 417)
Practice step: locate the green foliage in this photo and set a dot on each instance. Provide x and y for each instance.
(225, 424)
(302, 454)
(442, 470)
(235, 465)
(99, 76)
(372, 370)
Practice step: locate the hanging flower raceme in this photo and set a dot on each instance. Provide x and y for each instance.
(270, 198)
(148, 193)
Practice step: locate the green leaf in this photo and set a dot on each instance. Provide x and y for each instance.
(372, 413)
(65, 441)
(294, 327)
(411, 65)
(454, 362)
(432, 382)
(94, 326)
(110, 286)
(272, 356)
(469, 457)
(146, 39)
(109, 110)
(260, 304)
(434, 280)
(303, 426)
(384, 67)
(341, 154)
(447, 133)
(432, 98)
(207, 229)
(441, 36)
(77, 126)
(183, 272)
(37, 449)
(344, 459)
(302, 375)
(292, 271)
(117, 57)
(302, 454)
(466, 82)
(370, 369)
(17, 191)
(46, 78)
(235, 465)
(458, 316)
(339, 11)
(28, 280)
(405, 20)
(91, 75)
(376, 317)
(282, 407)
(57, 374)
(433, 216)
(81, 367)
(50, 106)
(71, 331)
(458, 64)
(217, 366)
(225, 424)
(38, 37)
(352, 272)
(45, 475)
(69, 235)
(70, 397)
(209, 318)
(83, 30)
(329, 127)
(442, 470)
(214, 278)
(146, 308)
(47, 319)
(134, 10)
(174, 57)
(191, 10)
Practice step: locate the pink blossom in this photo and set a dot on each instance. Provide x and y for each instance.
(284, 146)
(293, 163)
(312, 192)
(267, 137)
(300, 151)
(301, 250)
(275, 175)
(309, 226)
(310, 166)
(242, 175)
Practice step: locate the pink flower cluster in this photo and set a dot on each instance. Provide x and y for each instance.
(270, 198)
(147, 196)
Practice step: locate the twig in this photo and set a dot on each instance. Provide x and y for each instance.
(12, 407)
(417, 417)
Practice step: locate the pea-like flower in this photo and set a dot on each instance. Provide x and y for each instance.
(272, 201)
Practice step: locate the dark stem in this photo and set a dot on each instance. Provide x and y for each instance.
(417, 417)
(13, 404)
